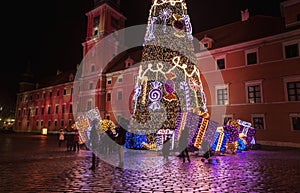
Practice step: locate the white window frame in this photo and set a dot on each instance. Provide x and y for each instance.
(218, 58)
(218, 87)
(93, 69)
(254, 83)
(227, 116)
(288, 43)
(287, 80)
(120, 78)
(107, 81)
(291, 115)
(262, 115)
(119, 91)
(251, 51)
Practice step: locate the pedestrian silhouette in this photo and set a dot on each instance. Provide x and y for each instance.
(61, 137)
(183, 145)
(166, 148)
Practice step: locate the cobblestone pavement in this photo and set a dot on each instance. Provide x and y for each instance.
(35, 163)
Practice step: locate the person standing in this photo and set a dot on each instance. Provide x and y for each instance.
(94, 139)
(76, 140)
(166, 148)
(120, 140)
(183, 145)
(61, 137)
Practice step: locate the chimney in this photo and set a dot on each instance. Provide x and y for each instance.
(245, 15)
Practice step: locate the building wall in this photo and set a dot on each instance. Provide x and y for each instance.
(28, 120)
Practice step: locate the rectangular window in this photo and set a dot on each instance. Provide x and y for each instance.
(49, 110)
(89, 105)
(291, 51)
(42, 123)
(36, 111)
(62, 123)
(63, 109)
(56, 109)
(222, 96)
(227, 118)
(109, 81)
(71, 108)
(251, 58)
(114, 23)
(120, 79)
(295, 123)
(57, 93)
(120, 95)
(50, 94)
(24, 112)
(65, 91)
(29, 112)
(37, 123)
(254, 94)
(71, 91)
(258, 122)
(93, 68)
(293, 91)
(96, 21)
(19, 113)
(44, 95)
(108, 97)
(49, 123)
(91, 86)
(55, 123)
(30, 97)
(221, 63)
(43, 110)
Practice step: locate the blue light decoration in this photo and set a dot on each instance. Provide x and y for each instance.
(220, 141)
(135, 141)
(242, 145)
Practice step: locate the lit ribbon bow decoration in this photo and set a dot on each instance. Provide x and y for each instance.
(165, 14)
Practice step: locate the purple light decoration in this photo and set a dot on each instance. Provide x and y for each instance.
(169, 86)
(165, 14)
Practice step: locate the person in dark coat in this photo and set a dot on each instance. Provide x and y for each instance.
(183, 145)
(94, 138)
(120, 139)
(166, 148)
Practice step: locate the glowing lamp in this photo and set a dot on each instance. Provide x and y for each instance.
(44, 131)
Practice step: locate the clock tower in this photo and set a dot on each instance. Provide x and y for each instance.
(103, 20)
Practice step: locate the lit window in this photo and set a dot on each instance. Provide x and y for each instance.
(222, 95)
(254, 95)
(258, 122)
(293, 91)
(291, 51)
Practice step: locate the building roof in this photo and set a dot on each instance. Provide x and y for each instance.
(255, 27)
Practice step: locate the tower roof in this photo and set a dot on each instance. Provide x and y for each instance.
(114, 3)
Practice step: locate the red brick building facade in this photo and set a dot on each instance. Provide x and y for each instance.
(250, 71)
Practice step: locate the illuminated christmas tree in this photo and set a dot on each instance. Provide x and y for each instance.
(169, 81)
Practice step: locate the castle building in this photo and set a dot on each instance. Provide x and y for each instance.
(250, 71)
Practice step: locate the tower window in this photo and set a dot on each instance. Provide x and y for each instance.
(291, 51)
(221, 63)
(96, 21)
(252, 58)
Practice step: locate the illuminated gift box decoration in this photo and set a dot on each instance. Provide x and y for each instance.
(247, 133)
(162, 135)
(220, 141)
(200, 129)
(82, 124)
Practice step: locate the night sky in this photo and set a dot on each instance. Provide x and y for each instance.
(49, 34)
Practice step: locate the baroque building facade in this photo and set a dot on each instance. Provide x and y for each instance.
(250, 71)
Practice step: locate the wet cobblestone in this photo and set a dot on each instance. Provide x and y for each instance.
(35, 163)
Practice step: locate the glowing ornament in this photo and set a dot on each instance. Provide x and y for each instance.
(155, 95)
(184, 86)
(151, 29)
(165, 14)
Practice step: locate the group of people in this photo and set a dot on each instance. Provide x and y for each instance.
(182, 147)
(72, 138)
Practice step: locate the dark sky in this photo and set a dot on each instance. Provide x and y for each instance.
(48, 34)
